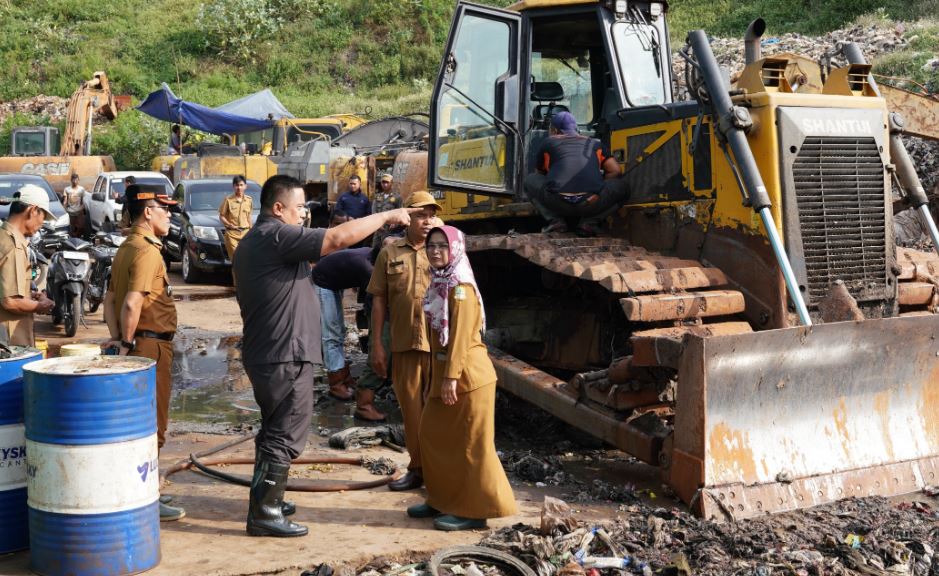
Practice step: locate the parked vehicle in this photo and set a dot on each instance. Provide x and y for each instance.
(104, 203)
(54, 233)
(38, 263)
(195, 236)
(68, 281)
(102, 256)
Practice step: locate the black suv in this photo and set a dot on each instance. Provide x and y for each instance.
(196, 233)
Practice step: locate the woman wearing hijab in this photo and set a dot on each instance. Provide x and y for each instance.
(465, 480)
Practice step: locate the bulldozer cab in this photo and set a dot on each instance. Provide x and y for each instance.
(506, 73)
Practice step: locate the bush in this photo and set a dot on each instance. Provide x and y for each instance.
(133, 139)
(238, 28)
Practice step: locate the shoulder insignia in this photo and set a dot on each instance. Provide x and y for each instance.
(459, 293)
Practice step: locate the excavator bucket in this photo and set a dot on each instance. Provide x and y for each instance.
(785, 419)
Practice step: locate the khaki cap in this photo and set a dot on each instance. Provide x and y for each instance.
(387, 178)
(420, 199)
(34, 196)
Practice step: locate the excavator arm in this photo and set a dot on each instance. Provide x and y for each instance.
(920, 112)
(93, 96)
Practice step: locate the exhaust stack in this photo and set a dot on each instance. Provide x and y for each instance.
(751, 40)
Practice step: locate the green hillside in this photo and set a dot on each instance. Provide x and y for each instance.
(319, 56)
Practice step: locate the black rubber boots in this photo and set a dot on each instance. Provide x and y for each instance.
(265, 515)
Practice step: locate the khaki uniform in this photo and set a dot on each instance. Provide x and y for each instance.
(15, 276)
(462, 471)
(237, 211)
(138, 267)
(401, 276)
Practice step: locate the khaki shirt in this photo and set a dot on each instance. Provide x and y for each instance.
(465, 357)
(238, 212)
(15, 276)
(401, 276)
(139, 267)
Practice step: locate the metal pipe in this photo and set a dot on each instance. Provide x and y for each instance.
(730, 121)
(788, 275)
(751, 41)
(906, 172)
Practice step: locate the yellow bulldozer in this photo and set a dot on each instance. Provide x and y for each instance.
(747, 324)
(38, 150)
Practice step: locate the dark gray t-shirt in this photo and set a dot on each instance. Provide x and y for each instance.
(279, 306)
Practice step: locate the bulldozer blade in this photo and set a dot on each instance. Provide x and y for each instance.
(787, 419)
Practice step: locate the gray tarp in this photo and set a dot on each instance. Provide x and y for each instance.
(259, 105)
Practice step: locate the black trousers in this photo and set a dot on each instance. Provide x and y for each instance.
(284, 392)
(613, 194)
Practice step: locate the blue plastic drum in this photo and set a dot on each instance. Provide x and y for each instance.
(14, 529)
(92, 479)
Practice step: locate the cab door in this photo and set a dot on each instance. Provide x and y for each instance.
(474, 134)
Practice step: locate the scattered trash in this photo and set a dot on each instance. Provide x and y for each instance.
(931, 491)
(556, 515)
(361, 436)
(379, 466)
(853, 540)
(321, 570)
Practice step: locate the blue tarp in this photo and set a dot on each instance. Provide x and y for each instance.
(164, 105)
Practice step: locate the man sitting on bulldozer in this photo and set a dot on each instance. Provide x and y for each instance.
(576, 178)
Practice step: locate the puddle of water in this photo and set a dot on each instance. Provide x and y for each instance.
(210, 387)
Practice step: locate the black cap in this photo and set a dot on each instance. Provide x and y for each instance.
(144, 192)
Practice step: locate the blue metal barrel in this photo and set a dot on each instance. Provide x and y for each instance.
(14, 529)
(92, 479)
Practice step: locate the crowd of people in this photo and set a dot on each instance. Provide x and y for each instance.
(427, 318)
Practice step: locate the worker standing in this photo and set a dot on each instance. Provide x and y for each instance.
(340, 271)
(18, 303)
(235, 214)
(282, 336)
(73, 199)
(354, 202)
(399, 281)
(138, 307)
(465, 481)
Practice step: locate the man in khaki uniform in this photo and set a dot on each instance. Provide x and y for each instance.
(18, 303)
(398, 285)
(138, 308)
(235, 214)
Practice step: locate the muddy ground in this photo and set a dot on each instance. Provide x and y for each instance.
(367, 532)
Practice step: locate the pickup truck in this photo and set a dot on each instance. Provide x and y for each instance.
(104, 203)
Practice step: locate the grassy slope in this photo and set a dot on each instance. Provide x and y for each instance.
(334, 56)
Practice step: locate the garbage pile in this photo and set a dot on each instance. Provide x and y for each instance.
(853, 537)
(52, 107)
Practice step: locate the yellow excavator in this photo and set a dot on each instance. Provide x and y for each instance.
(37, 149)
(747, 323)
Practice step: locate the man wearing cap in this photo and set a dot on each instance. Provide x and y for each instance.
(398, 285)
(138, 307)
(30, 207)
(576, 178)
(282, 335)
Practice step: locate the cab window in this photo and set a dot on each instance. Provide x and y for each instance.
(471, 144)
(570, 69)
(638, 51)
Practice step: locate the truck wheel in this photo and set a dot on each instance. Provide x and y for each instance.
(191, 274)
(74, 316)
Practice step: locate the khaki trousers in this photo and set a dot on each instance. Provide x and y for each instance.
(162, 352)
(410, 377)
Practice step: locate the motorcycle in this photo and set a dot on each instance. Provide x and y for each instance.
(38, 263)
(102, 255)
(68, 280)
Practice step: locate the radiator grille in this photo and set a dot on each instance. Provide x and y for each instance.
(839, 185)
